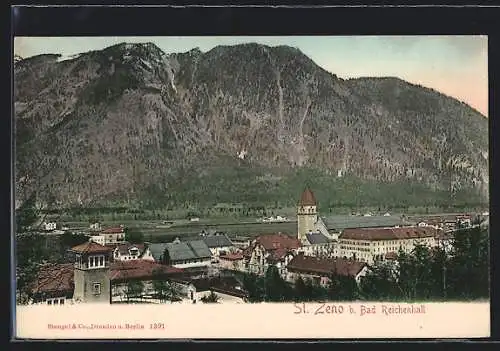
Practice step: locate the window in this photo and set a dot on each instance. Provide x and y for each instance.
(96, 288)
(56, 302)
(49, 302)
(101, 261)
(61, 301)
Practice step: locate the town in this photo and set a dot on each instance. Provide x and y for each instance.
(213, 267)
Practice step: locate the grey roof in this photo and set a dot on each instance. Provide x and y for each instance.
(217, 241)
(157, 250)
(343, 222)
(317, 238)
(187, 250)
(200, 248)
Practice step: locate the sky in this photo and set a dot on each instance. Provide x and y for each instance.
(454, 65)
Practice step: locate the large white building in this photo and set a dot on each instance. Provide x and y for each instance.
(372, 244)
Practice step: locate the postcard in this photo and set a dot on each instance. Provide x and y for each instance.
(251, 187)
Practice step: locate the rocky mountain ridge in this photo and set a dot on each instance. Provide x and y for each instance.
(122, 123)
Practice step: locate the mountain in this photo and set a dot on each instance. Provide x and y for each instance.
(244, 123)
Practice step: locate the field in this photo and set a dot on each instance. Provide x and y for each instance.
(167, 230)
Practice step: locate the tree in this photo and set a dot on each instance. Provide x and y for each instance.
(415, 273)
(134, 289)
(27, 214)
(342, 288)
(301, 291)
(468, 273)
(30, 252)
(25, 276)
(254, 286)
(275, 287)
(210, 298)
(161, 288)
(165, 258)
(380, 283)
(68, 240)
(134, 236)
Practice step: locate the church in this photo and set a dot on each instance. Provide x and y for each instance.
(311, 230)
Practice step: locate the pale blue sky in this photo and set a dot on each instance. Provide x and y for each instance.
(454, 65)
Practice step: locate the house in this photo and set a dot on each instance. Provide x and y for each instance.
(371, 244)
(272, 249)
(228, 289)
(464, 221)
(54, 284)
(445, 240)
(49, 226)
(114, 235)
(218, 243)
(319, 270)
(241, 242)
(317, 244)
(143, 271)
(183, 254)
(232, 261)
(95, 226)
(127, 251)
(99, 239)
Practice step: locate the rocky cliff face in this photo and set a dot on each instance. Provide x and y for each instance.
(130, 120)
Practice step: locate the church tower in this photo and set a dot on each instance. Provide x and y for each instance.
(307, 214)
(91, 273)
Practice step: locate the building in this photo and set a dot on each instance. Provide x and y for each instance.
(308, 220)
(372, 244)
(91, 273)
(54, 284)
(127, 251)
(320, 270)
(241, 242)
(49, 226)
(218, 244)
(114, 235)
(98, 239)
(144, 271)
(232, 261)
(317, 244)
(95, 227)
(272, 249)
(183, 254)
(227, 289)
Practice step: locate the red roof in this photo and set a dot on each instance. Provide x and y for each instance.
(278, 241)
(278, 254)
(59, 278)
(54, 278)
(91, 247)
(232, 256)
(388, 233)
(307, 198)
(116, 230)
(140, 269)
(391, 256)
(326, 266)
